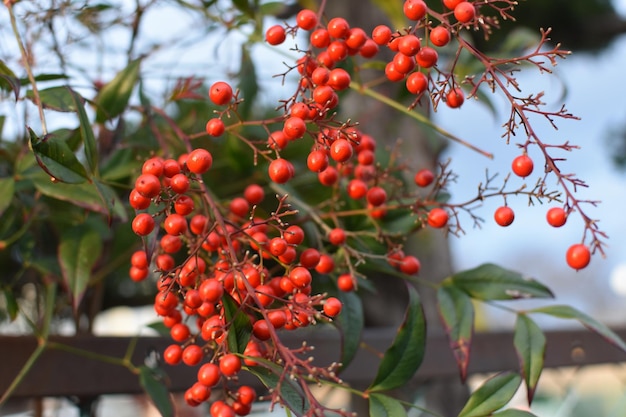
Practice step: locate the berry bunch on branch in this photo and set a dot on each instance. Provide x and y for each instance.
(265, 221)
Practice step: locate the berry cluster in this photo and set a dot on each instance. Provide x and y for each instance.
(232, 276)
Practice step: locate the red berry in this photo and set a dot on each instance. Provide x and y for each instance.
(451, 4)
(175, 224)
(199, 161)
(254, 193)
(339, 79)
(414, 9)
(220, 93)
(294, 128)
(357, 189)
(173, 354)
(275, 35)
(192, 355)
(455, 98)
(209, 374)
(320, 38)
(332, 306)
(438, 218)
(522, 166)
(337, 236)
(376, 196)
(230, 364)
(148, 185)
(180, 183)
(504, 216)
(345, 282)
(556, 217)
(280, 170)
(410, 265)
(440, 36)
(341, 150)
(294, 235)
(137, 201)
(153, 166)
(328, 177)
(409, 45)
(424, 177)
(317, 161)
(356, 38)
(143, 224)
(338, 27)
(426, 57)
(306, 19)
(416, 83)
(215, 127)
(578, 256)
(464, 12)
(180, 332)
(381, 35)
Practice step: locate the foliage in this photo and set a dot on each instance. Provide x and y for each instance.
(251, 219)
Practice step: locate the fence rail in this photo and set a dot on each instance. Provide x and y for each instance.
(60, 373)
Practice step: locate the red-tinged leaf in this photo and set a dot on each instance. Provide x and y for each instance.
(405, 355)
(381, 405)
(350, 323)
(530, 344)
(457, 314)
(8, 80)
(153, 383)
(55, 98)
(79, 249)
(7, 188)
(567, 312)
(511, 412)
(86, 132)
(494, 394)
(57, 159)
(113, 99)
(492, 282)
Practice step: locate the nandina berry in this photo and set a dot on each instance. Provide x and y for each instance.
(153, 166)
(440, 36)
(410, 265)
(143, 224)
(451, 4)
(137, 201)
(183, 205)
(357, 189)
(239, 206)
(192, 355)
(417, 83)
(409, 45)
(148, 185)
(504, 216)
(171, 244)
(138, 274)
(339, 79)
(254, 193)
(230, 364)
(329, 176)
(376, 196)
(392, 73)
(199, 392)
(309, 258)
(173, 354)
(320, 38)
(414, 9)
(381, 35)
(522, 166)
(337, 51)
(317, 161)
(369, 49)
(280, 170)
(424, 177)
(275, 35)
(171, 167)
(215, 127)
(332, 306)
(199, 161)
(426, 57)
(578, 256)
(209, 374)
(403, 63)
(300, 277)
(165, 262)
(356, 38)
(464, 12)
(455, 98)
(341, 150)
(345, 282)
(294, 128)
(175, 224)
(337, 236)
(438, 218)
(220, 93)
(294, 235)
(246, 394)
(180, 183)
(338, 27)
(556, 217)
(180, 332)
(326, 264)
(306, 19)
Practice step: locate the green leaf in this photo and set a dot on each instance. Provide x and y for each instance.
(492, 282)
(381, 405)
(7, 188)
(530, 345)
(153, 383)
(11, 303)
(8, 80)
(350, 322)
(79, 249)
(248, 84)
(405, 355)
(567, 312)
(494, 394)
(457, 314)
(114, 96)
(290, 393)
(511, 412)
(55, 98)
(57, 159)
(244, 7)
(86, 132)
(86, 195)
(240, 326)
(160, 328)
